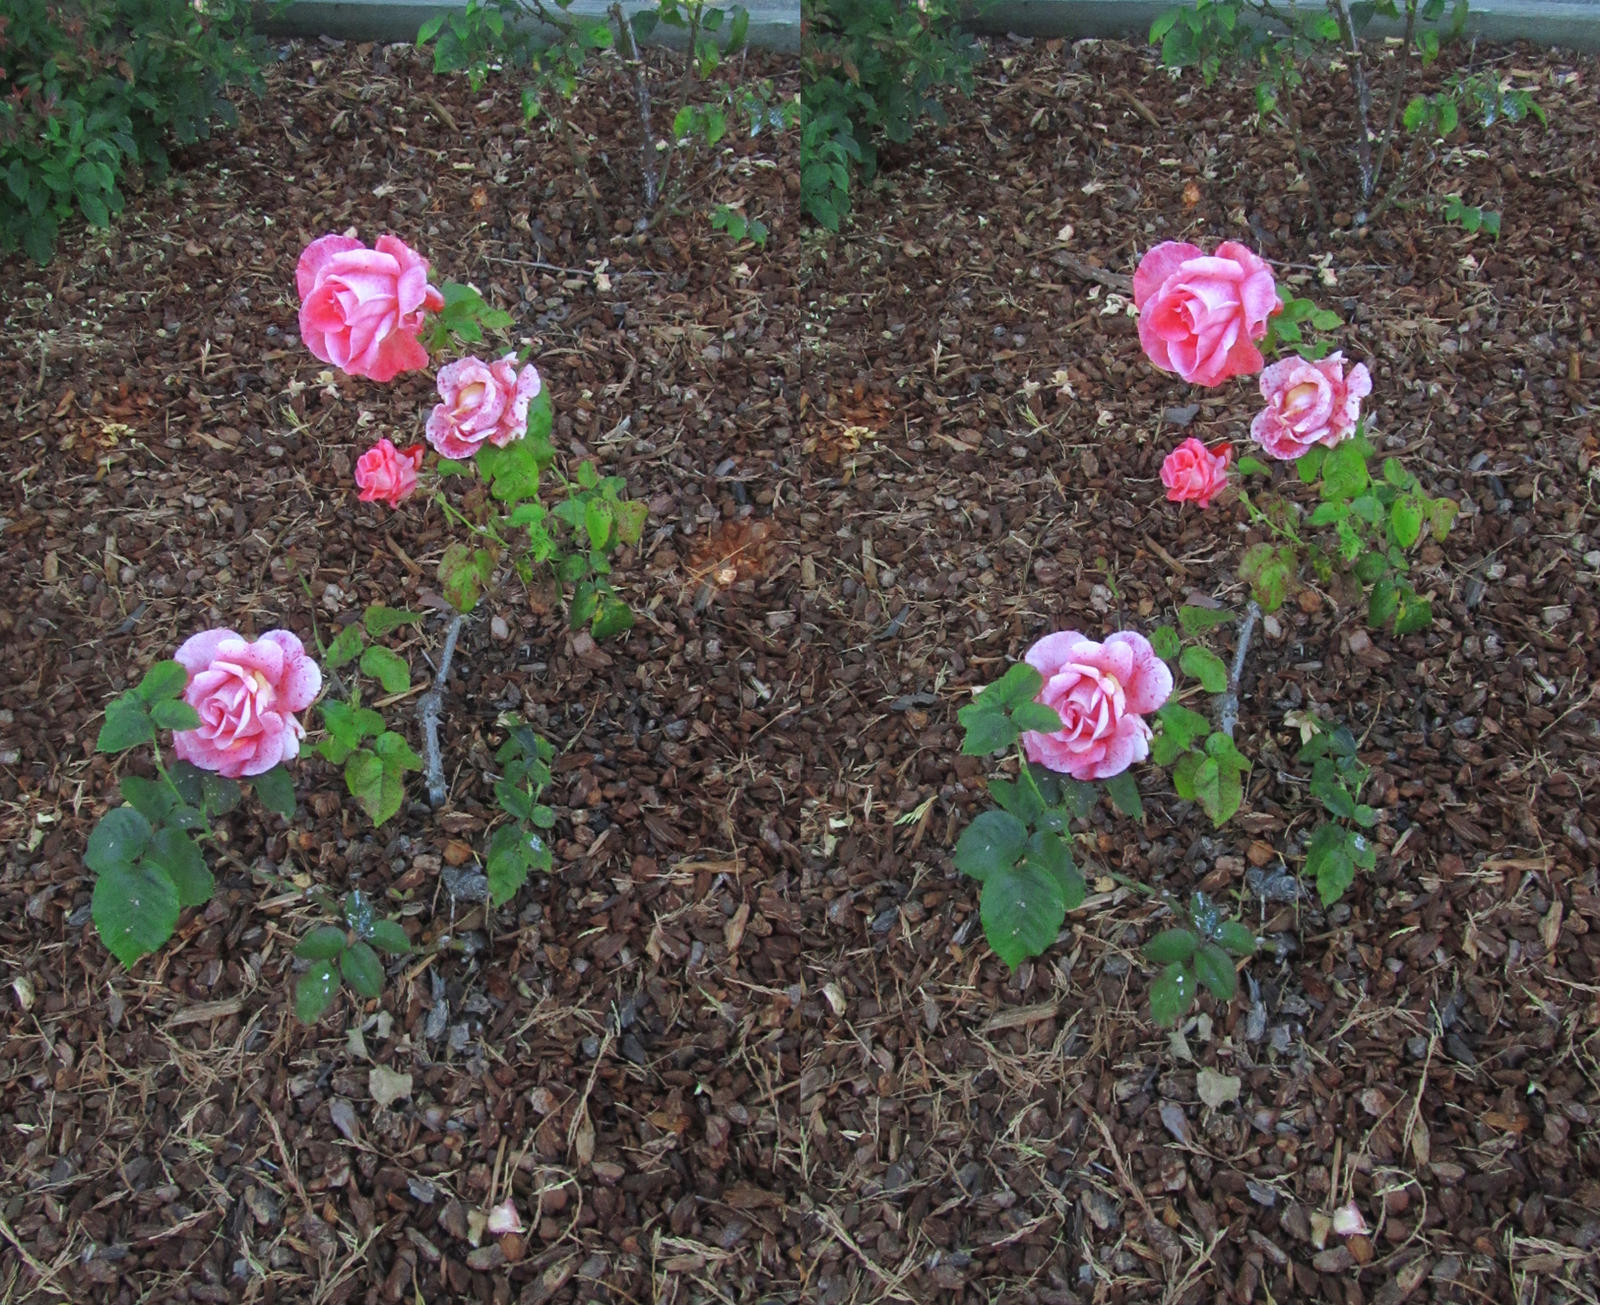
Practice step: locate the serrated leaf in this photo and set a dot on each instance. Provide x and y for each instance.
(176, 853)
(1405, 521)
(323, 943)
(990, 844)
(987, 729)
(1415, 614)
(1021, 683)
(1171, 995)
(174, 714)
(1019, 799)
(377, 788)
(135, 909)
(1329, 862)
(345, 647)
(387, 935)
(511, 855)
(1123, 790)
(361, 969)
(1236, 938)
(117, 841)
(1214, 968)
(1022, 909)
(612, 617)
(275, 789)
(380, 620)
(1053, 854)
(163, 681)
(127, 725)
(1036, 717)
(150, 798)
(388, 668)
(1195, 620)
(314, 991)
(1204, 665)
(1171, 945)
(1164, 641)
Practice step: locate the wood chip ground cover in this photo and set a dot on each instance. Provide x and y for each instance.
(746, 1044)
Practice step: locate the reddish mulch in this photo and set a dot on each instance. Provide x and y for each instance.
(746, 1043)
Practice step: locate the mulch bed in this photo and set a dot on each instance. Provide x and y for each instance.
(746, 1043)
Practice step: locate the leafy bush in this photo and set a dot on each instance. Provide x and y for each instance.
(872, 69)
(1396, 130)
(552, 48)
(94, 87)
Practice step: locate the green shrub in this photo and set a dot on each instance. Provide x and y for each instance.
(871, 70)
(89, 88)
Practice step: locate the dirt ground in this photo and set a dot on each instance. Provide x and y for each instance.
(746, 1044)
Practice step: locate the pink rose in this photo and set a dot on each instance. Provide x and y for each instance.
(1309, 403)
(1201, 315)
(481, 402)
(386, 474)
(1099, 691)
(246, 694)
(1193, 473)
(361, 309)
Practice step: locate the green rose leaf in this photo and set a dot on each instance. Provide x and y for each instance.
(179, 855)
(387, 935)
(346, 645)
(987, 729)
(164, 680)
(135, 909)
(1035, 716)
(361, 969)
(380, 620)
(218, 794)
(1172, 994)
(1195, 620)
(118, 840)
(173, 714)
(324, 943)
(1204, 665)
(1022, 908)
(513, 852)
(1124, 792)
(275, 788)
(612, 617)
(1164, 641)
(1020, 684)
(990, 844)
(314, 992)
(150, 798)
(1214, 968)
(127, 725)
(1052, 854)
(1236, 938)
(388, 668)
(1171, 945)
(1328, 861)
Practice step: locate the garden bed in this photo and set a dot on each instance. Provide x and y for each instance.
(747, 1043)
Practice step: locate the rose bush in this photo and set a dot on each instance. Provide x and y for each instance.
(1200, 315)
(1100, 691)
(1309, 403)
(361, 309)
(481, 402)
(1193, 473)
(246, 694)
(385, 474)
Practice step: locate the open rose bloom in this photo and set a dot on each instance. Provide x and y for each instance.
(361, 309)
(1100, 691)
(1193, 473)
(1200, 314)
(1309, 403)
(385, 474)
(246, 693)
(481, 403)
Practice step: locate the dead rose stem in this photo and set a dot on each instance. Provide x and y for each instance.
(428, 709)
(1228, 703)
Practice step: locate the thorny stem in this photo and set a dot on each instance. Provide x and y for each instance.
(641, 90)
(1395, 86)
(1358, 74)
(428, 709)
(1304, 155)
(1228, 709)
